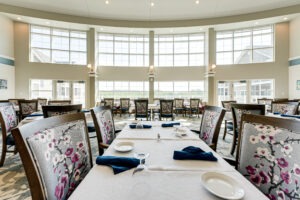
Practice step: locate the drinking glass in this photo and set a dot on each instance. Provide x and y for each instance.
(142, 157)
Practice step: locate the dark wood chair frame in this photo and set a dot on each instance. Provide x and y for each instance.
(94, 111)
(146, 113)
(181, 109)
(249, 107)
(22, 115)
(122, 110)
(37, 188)
(62, 102)
(161, 115)
(228, 123)
(5, 147)
(297, 103)
(193, 110)
(60, 108)
(291, 125)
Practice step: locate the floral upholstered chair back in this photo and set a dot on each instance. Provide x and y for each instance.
(285, 108)
(179, 103)
(28, 107)
(194, 103)
(42, 102)
(53, 113)
(62, 157)
(141, 107)
(125, 103)
(166, 107)
(269, 157)
(227, 105)
(210, 124)
(9, 116)
(106, 125)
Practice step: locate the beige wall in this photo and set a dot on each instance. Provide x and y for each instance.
(294, 71)
(7, 72)
(26, 70)
(277, 70)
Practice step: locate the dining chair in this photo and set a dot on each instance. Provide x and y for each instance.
(228, 123)
(104, 125)
(15, 102)
(141, 109)
(27, 107)
(55, 153)
(8, 121)
(210, 125)
(59, 102)
(124, 106)
(194, 107)
(179, 106)
(287, 108)
(110, 102)
(42, 101)
(268, 152)
(267, 102)
(55, 110)
(237, 111)
(166, 109)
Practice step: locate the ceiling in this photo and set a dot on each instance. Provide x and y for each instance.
(141, 10)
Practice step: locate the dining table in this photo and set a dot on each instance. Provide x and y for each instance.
(164, 178)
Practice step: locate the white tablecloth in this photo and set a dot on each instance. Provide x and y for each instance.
(164, 178)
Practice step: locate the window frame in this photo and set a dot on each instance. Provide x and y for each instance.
(252, 49)
(51, 49)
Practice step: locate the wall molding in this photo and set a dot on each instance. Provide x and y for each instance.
(7, 60)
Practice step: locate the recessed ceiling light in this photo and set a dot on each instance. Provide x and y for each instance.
(19, 18)
(197, 1)
(106, 2)
(285, 18)
(152, 4)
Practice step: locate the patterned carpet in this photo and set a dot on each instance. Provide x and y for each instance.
(13, 182)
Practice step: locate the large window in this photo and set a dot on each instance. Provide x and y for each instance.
(179, 89)
(41, 89)
(252, 45)
(179, 50)
(123, 89)
(123, 50)
(55, 45)
(261, 89)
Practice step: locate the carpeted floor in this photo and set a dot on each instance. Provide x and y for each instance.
(13, 182)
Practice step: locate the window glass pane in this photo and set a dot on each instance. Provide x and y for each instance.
(137, 48)
(181, 38)
(166, 60)
(136, 86)
(262, 55)
(40, 29)
(60, 43)
(224, 45)
(181, 47)
(165, 86)
(61, 57)
(41, 41)
(78, 58)
(241, 57)
(181, 60)
(121, 86)
(40, 55)
(242, 43)
(181, 86)
(261, 89)
(105, 60)
(165, 47)
(106, 46)
(78, 44)
(262, 41)
(136, 60)
(224, 58)
(196, 47)
(196, 37)
(121, 60)
(106, 85)
(60, 32)
(121, 47)
(78, 34)
(196, 60)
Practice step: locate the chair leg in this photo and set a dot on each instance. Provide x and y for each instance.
(233, 143)
(225, 130)
(4, 149)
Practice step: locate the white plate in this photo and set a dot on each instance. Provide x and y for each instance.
(222, 185)
(124, 146)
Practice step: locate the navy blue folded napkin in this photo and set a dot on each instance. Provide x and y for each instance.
(144, 126)
(85, 111)
(276, 113)
(171, 124)
(294, 116)
(35, 115)
(193, 153)
(118, 164)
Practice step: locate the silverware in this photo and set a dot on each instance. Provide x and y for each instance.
(137, 170)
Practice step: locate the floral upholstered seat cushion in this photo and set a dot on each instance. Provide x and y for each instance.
(286, 109)
(62, 156)
(105, 121)
(210, 120)
(269, 158)
(9, 116)
(28, 108)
